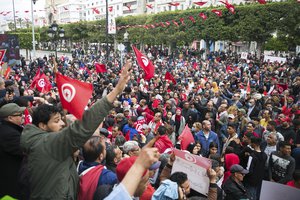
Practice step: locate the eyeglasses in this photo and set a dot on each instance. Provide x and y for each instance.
(17, 115)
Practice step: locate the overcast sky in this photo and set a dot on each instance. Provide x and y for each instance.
(21, 6)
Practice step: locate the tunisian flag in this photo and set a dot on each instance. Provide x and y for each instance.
(144, 63)
(100, 68)
(71, 94)
(186, 138)
(41, 82)
(169, 76)
(27, 117)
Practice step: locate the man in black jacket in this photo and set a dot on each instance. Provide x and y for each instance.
(11, 116)
(233, 186)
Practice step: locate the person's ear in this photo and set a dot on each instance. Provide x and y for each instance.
(43, 126)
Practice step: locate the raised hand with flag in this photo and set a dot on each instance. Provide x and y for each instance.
(100, 68)
(144, 63)
(169, 77)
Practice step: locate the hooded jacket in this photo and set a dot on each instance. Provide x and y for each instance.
(51, 167)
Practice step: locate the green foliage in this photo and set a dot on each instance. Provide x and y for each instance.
(25, 39)
(276, 44)
(251, 22)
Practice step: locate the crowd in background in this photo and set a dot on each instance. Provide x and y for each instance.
(243, 113)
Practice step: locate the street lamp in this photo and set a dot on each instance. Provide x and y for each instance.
(33, 34)
(55, 33)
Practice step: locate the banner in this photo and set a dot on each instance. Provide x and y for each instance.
(274, 59)
(196, 169)
(276, 191)
(111, 25)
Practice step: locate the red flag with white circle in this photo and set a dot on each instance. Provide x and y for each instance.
(74, 94)
(144, 63)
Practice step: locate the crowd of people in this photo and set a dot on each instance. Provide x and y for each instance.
(243, 114)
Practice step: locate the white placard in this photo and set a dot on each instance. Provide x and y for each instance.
(196, 169)
(274, 58)
(276, 191)
(244, 55)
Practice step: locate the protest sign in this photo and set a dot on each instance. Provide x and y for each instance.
(274, 58)
(196, 169)
(244, 55)
(276, 191)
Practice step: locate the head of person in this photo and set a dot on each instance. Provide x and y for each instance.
(210, 105)
(10, 93)
(162, 130)
(272, 139)
(169, 115)
(94, 150)
(247, 138)
(157, 117)
(250, 127)
(197, 126)
(122, 169)
(206, 125)
(255, 142)
(47, 118)
(182, 180)
(178, 111)
(120, 141)
(103, 132)
(12, 113)
(131, 148)
(115, 130)
(119, 117)
(113, 155)
(194, 148)
(231, 118)
(213, 148)
(266, 114)
(126, 112)
(251, 103)
(238, 172)
(241, 112)
(132, 120)
(271, 126)
(231, 129)
(222, 107)
(285, 148)
(186, 105)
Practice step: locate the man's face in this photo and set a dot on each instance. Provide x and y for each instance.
(186, 187)
(142, 185)
(207, 126)
(286, 150)
(16, 118)
(239, 176)
(115, 131)
(55, 123)
(271, 139)
(157, 117)
(118, 153)
(250, 128)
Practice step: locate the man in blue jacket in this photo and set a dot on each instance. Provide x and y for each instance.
(205, 137)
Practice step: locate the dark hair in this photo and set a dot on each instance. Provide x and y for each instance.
(22, 101)
(179, 177)
(120, 140)
(102, 192)
(191, 147)
(162, 130)
(233, 125)
(256, 140)
(110, 155)
(213, 144)
(272, 123)
(282, 144)
(43, 113)
(92, 149)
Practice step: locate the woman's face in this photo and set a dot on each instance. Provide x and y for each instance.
(169, 115)
(196, 149)
(213, 150)
(178, 112)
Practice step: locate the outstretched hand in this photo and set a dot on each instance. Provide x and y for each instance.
(124, 76)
